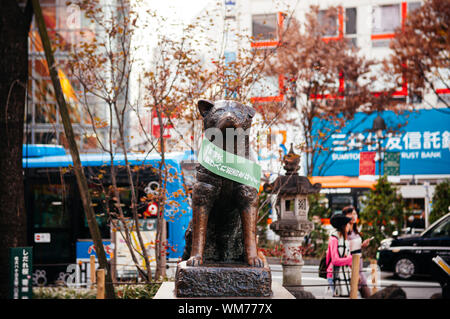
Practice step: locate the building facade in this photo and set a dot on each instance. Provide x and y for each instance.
(66, 26)
(422, 144)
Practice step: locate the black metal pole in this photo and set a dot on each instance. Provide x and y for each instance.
(379, 158)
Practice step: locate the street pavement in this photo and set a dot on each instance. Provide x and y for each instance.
(422, 288)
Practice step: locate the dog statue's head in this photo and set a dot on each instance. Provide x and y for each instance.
(225, 114)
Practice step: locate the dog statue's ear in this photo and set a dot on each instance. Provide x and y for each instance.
(204, 106)
(251, 112)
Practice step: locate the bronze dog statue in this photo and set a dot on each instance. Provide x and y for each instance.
(225, 212)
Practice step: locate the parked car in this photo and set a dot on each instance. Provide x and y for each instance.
(410, 255)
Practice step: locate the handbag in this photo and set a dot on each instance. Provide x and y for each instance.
(323, 265)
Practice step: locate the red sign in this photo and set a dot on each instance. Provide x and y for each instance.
(152, 210)
(367, 163)
(156, 126)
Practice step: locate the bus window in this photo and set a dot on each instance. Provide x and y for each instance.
(416, 209)
(125, 201)
(360, 203)
(340, 201)
(58, 250)
(324, 202)
(50, 206)
(98, 199)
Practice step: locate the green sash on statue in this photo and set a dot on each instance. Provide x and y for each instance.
(229, 165)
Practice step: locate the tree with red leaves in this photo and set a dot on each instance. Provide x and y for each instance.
(421, 51)
(328, 81)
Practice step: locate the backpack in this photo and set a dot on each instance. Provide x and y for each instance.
(323, 265)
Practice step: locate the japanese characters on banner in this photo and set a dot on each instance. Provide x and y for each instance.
(422, 143)
(430, 142)
(21, 270)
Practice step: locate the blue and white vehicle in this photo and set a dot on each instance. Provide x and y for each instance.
(56, 220)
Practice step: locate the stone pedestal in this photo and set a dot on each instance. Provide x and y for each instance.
(222, 280)
(167, 291)
(292, 232)
(292, 261)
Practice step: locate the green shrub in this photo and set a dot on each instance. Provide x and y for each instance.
(63, 293)
(441, 201)
(382, 214)
(144, 291)
(123, 291)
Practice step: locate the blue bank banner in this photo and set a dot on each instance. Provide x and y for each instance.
(421, 139)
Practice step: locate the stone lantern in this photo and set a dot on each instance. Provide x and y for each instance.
(292, 223)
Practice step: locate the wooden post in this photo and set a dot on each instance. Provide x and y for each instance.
(100, 284)
(92, 264)
(68, 130)
(356, 258)
(373, 266)
(113, 260)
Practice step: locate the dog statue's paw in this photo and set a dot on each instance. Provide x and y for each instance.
(255, 262)
(194, 261)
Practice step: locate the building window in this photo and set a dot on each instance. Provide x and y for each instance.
(268, 89)
(266, 33)
(350, 25)
(264, 27)
(266, 86)
(342, 26)
(43, 124)
(412, 6)
(385, 18)
(329, 23)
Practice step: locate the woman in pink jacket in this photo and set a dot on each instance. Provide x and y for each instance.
(350, 212)
(338, 256)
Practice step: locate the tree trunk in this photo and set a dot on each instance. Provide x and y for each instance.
(161, 233)
(13, 79)
(78, 169)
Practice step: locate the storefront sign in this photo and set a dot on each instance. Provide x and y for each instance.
(80, 273)
(125, 266)
(86, 248)
(421, 138)
(42, 238)
(367, 163)
(392, 163)
(21, 271)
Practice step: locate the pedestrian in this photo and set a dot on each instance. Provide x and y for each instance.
(350, 212)
(338, 258)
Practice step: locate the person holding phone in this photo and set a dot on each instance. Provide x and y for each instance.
(350, 212)
(338, 257)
